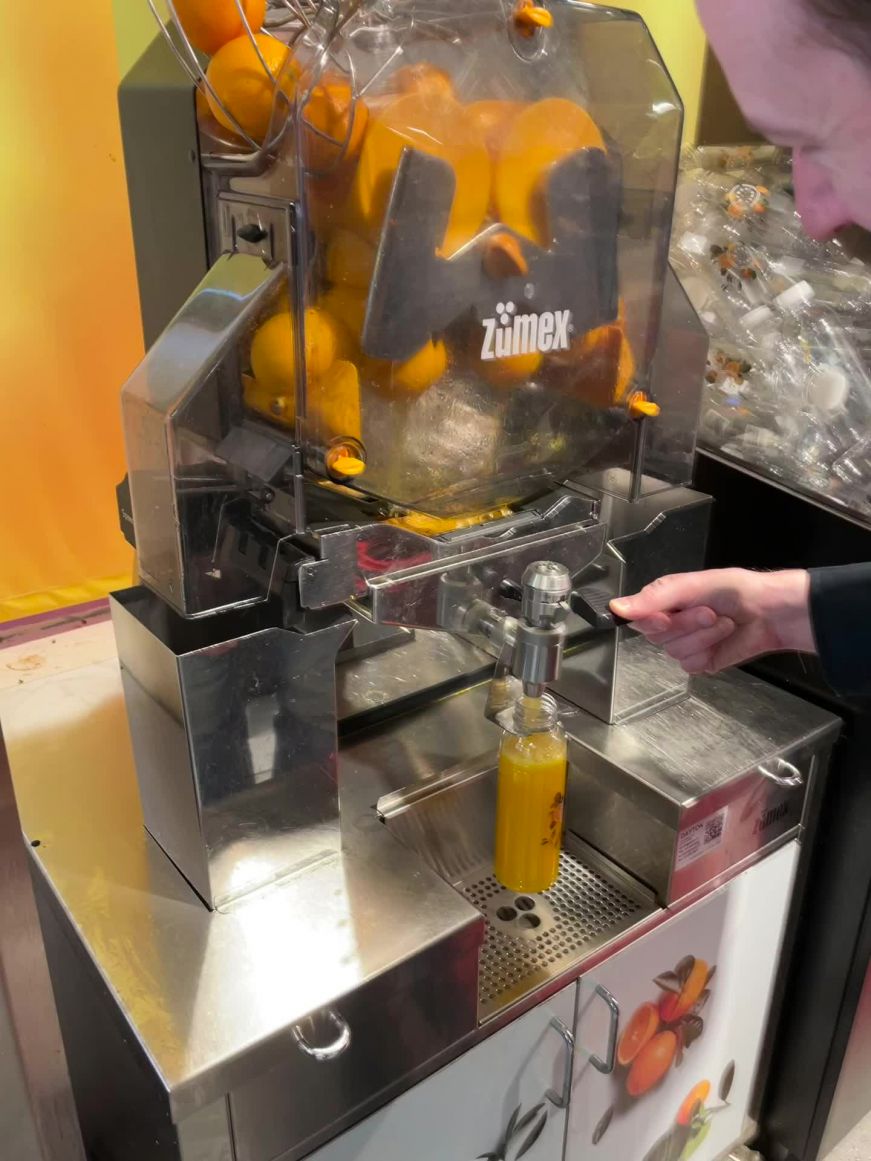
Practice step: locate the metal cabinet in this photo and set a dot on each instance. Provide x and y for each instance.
(514, 1084)
(670, 1029)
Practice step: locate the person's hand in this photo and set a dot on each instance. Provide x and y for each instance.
(710, 620)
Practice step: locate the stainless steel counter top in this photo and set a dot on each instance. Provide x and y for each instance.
(210, 995)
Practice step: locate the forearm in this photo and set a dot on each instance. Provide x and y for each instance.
(840, 602)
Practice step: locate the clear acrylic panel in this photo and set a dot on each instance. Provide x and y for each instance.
(488, 220)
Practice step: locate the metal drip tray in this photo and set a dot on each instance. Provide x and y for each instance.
(530, 939)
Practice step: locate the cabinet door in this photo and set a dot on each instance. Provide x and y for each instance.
(519, 1076)
(681, 1015)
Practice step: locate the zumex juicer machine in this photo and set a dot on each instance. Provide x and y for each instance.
(429, 403)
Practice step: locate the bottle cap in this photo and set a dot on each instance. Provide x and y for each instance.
(692, 243)
(789, 266)
(755, 319)
(828, 388)
(795, 296)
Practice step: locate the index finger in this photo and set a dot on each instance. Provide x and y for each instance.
(668, 594)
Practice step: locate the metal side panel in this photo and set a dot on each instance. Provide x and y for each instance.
(37, 1115)
(161, 156)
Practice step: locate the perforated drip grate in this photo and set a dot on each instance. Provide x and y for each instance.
(588, 911)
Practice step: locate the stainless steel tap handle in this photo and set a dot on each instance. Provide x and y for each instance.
(545, 587)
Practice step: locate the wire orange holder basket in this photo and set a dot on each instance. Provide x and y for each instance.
(265, 64)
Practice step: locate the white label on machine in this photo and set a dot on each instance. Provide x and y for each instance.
(700, 839)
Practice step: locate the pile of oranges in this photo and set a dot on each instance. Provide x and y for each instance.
(500, 152)
(250, 74)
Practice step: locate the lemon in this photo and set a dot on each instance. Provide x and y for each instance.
(210, 24)
(243, 89)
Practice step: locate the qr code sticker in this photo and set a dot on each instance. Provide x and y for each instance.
(702, 838)
(714, 829)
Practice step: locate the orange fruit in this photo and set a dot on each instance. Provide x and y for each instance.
(210, 24)
(690, 1106)
(651, 1064)
(599, 366)
(442, 128)
(625, 370)
(493, 120)
(333, 126)
(350, 260)
(513, 369)
(414, 375)
(538, 137)
(334, 403)
(674, 1007)
(273, 354)
(326, 340)
(242, 87)
(348, 304)
(273, 348)
(641, 1028)
(423, 78)
(278, 408)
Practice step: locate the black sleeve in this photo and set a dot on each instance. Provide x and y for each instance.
(841, 617)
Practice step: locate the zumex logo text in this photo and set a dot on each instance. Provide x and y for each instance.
(510, 333)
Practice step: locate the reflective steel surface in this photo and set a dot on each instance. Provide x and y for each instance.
(234, 740)
(211, 996)
(38, 1119)
(682, 795)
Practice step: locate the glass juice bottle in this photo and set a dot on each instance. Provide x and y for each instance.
(531, 796)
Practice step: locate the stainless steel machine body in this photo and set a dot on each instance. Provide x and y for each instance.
(185, 1024)
(307, 923)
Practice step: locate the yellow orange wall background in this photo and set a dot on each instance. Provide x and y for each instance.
(69, 321)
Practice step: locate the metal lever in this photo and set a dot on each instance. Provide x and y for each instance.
(606, 1066)
(591, 606)
(324, 1052)
(561, 1100)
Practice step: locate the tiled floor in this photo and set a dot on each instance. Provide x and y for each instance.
(855, 1147)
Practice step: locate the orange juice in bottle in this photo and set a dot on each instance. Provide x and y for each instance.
(532, 789)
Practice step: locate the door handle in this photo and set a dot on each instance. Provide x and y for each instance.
(312, 1025)
(606, 1066)
(561, 1100)
(784, 773)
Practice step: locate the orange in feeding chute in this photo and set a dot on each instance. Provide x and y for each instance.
(538, 138)
(333, 126)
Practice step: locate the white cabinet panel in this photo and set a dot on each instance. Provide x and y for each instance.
(681, 1087)
(462, 1112)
